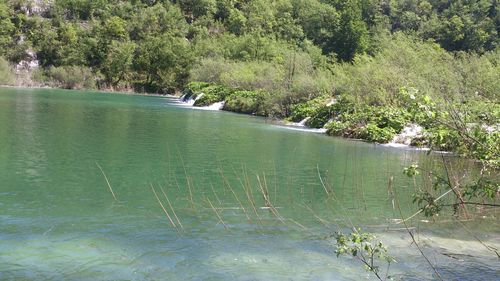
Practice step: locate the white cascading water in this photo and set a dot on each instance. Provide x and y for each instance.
(302, 123)
(190, 100)
(214, 106)
(301, 126)
(408, 133)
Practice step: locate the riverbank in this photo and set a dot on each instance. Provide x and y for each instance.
(412, 120)
(336, 116)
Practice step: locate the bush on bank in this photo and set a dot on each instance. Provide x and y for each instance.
(6, 73)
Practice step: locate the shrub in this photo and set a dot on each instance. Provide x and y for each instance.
(389, 117)
(193, 89)
(71, 77)
(320, 117)
(6, 73)
(442, 138)
(336, 128)
(196, 86)
(250, 102)
(212, 94)
(374, 133)
(302, 110)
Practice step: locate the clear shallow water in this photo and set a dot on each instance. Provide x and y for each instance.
(58, 219)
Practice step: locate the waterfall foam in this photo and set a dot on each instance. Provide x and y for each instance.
(214, 106)
(189, 99)
(408, 133)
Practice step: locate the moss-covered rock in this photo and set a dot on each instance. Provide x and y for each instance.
(301, 111)
(320, 117)
(213, 94)
(249, 102)
(372, 132)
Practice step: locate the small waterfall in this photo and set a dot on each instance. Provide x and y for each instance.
(409, 132)
(214, 106)
(301, 126)
(189, 99)
(302, 123)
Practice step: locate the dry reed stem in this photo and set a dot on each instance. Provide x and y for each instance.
(177, 182)
(415, 241)
(215, 193)
(224, 180)
(488, 247)
(422, 209)
(300, 225)
(322, 221)
(248, 192)
(217, 213)
(172, 208)
(106, 178)
(456, 192)
(188, 182)
(268, 203)
(275, 183)
(164, 210)
(321, 180)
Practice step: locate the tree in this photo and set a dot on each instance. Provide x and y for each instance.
(352, 35)
(194, 9)
(7, 29)
(118, 62)
(164, 62)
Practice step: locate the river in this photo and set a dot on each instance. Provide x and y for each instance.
(249, 199)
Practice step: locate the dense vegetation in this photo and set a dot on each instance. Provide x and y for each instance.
(361, 68)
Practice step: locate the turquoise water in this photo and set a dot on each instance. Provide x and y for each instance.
(59, 220)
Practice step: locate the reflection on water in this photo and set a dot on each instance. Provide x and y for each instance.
(279, 193)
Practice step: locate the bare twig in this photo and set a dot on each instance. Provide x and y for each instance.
(106, 178)
(164, 210)
(171, 208)
(415, 241)
(217, 213)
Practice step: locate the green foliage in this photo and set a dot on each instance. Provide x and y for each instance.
(373, 123)
(71, 77)
(196, 86)
(352, 35)
(250, 102)
(213, 94)
(420, 108)
(443, 138)
(320, 117)
(118, 62)
(164, 62)
(427, 202)
(361, 245)
(483, 145)
(6, 73)
(338, 128)
(307, 109)
(411, 171)
(374, 133)
(482, 188)
(7, 30)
